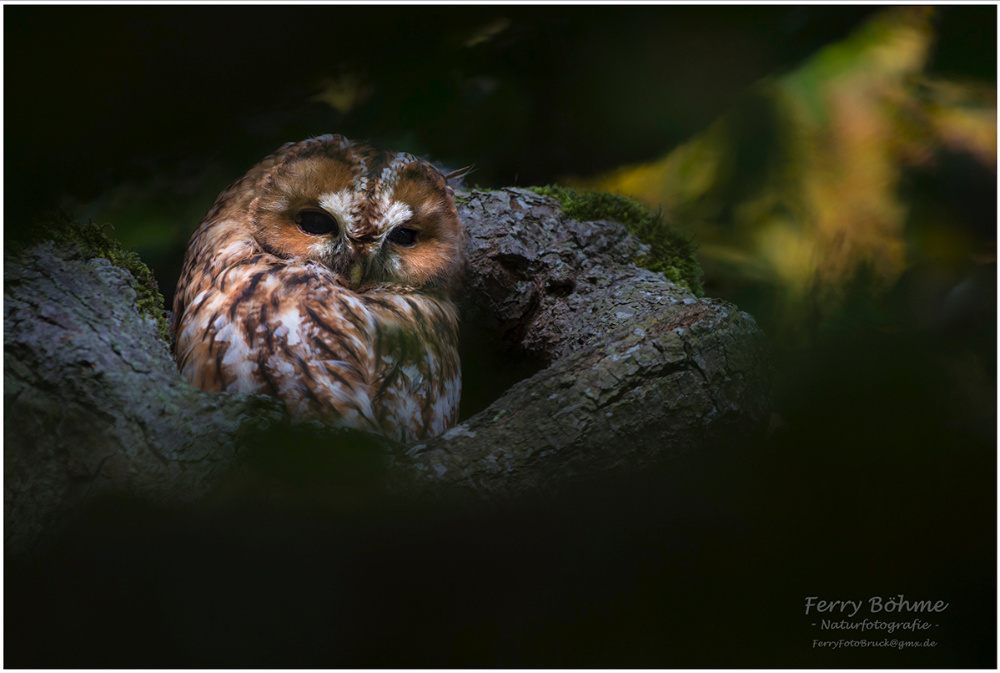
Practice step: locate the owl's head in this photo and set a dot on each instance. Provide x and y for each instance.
(371, 216)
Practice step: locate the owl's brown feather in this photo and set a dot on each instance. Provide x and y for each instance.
(353, 326)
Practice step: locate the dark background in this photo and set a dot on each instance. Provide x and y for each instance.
(99, 94)
(874, 485)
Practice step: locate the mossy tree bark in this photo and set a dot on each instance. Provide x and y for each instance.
(623, 369)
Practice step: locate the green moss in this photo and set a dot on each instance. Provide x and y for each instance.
(93, 241)
(671, 253)
(488, 190)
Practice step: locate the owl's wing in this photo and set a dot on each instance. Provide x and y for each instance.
(282, 330)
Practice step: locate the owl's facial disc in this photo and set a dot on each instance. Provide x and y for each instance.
(371, 218)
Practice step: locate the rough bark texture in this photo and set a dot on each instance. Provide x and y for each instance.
(639, 369)
(93, 401)
(636, 369)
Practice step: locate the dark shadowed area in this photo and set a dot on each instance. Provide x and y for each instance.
(837, 167)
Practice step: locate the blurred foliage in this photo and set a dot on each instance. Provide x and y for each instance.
(670, 253)
(799, 190)
(344, 92)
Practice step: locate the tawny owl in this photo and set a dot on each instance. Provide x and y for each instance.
(323, 277)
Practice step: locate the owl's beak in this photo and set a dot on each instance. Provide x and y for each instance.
(357, 271)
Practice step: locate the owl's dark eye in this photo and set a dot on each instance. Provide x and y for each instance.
(403, 236)
(316, 223)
